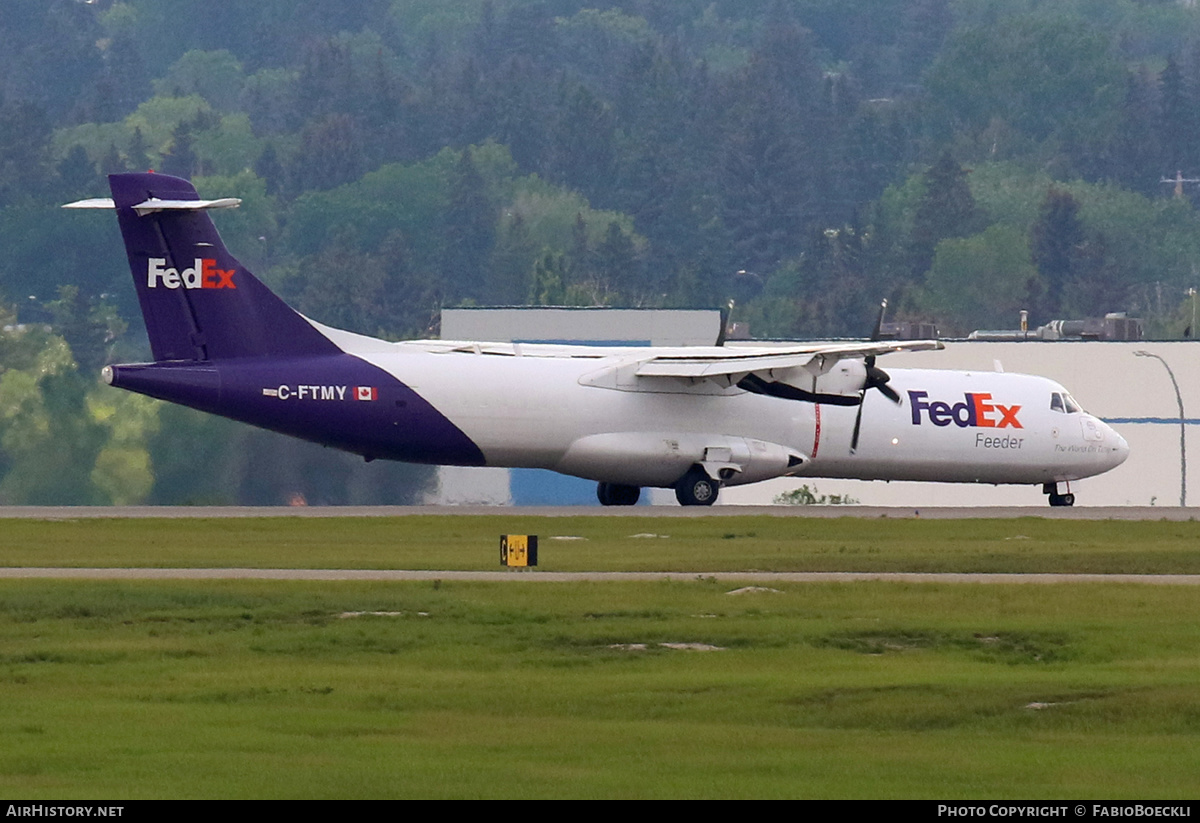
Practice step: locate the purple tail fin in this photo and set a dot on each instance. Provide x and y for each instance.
(199, 303)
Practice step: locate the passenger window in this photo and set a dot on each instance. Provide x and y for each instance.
(1056, 402)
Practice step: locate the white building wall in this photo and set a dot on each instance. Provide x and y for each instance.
(470, 486)
(656, 327)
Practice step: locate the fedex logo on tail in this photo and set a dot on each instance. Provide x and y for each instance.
(203, 275)
(976, 411)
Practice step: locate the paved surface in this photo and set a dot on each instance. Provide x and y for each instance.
(931, 513)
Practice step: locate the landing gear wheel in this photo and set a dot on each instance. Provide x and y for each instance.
(1067, 499)
(696, 489)
(617, 494)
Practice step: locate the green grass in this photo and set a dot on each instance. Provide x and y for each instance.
(253, 689)
(609, 544)
(874, 690)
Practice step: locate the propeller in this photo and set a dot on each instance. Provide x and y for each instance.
(876, 378)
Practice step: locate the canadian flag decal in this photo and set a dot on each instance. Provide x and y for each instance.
(366, 393)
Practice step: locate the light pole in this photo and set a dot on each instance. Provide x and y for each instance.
(1182, 427)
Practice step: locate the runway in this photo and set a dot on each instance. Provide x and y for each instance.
(864, 512)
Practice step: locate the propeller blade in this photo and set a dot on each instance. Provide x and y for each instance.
(857, 423)
(877, 378)
(877, 334)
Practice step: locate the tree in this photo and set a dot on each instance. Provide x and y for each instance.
(125, 79)
(511, 263)
(582, 145)
(138, 154)
(268, 167)
(835, 289)
(947, 209)
(773, 169)
(89, 326)
(344, 287)
(214, 75)
(1135, 158)
(330, 154)
(924, 27)
(1177, 121)
(1056, 241)
(547, 287)
(77, 174)
(523, 102)
(617, 268)
(25, 133)
(1050, 78)
(469, 232)
(982, 281)
(48, 440)
(180, 159)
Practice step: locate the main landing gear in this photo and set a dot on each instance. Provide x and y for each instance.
(615, 494)
(696, 488)
(1057, 499)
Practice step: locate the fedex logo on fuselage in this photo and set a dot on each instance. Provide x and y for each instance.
(976, 410)
(203, 275)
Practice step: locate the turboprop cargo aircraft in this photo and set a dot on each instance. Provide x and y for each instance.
(691, 419)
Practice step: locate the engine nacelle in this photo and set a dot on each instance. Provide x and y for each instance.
(846, 378)
(661, 458)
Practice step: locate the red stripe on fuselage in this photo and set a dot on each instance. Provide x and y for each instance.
(817, 433)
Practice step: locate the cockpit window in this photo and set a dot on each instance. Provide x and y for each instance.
(1064, 403)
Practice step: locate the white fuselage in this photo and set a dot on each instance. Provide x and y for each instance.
(582, 412)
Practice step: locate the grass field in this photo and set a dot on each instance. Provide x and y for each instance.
(455, 689)
(614, 544)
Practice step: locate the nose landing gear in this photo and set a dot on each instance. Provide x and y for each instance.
(1056, 499)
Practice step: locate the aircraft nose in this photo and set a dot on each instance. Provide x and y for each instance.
(1118, 448)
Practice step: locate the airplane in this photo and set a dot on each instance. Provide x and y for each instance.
(692, 419)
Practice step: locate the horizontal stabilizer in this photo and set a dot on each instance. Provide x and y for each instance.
(155, 205)
(93, 203)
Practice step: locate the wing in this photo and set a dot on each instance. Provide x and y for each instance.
(836, 373)
(817, 358)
